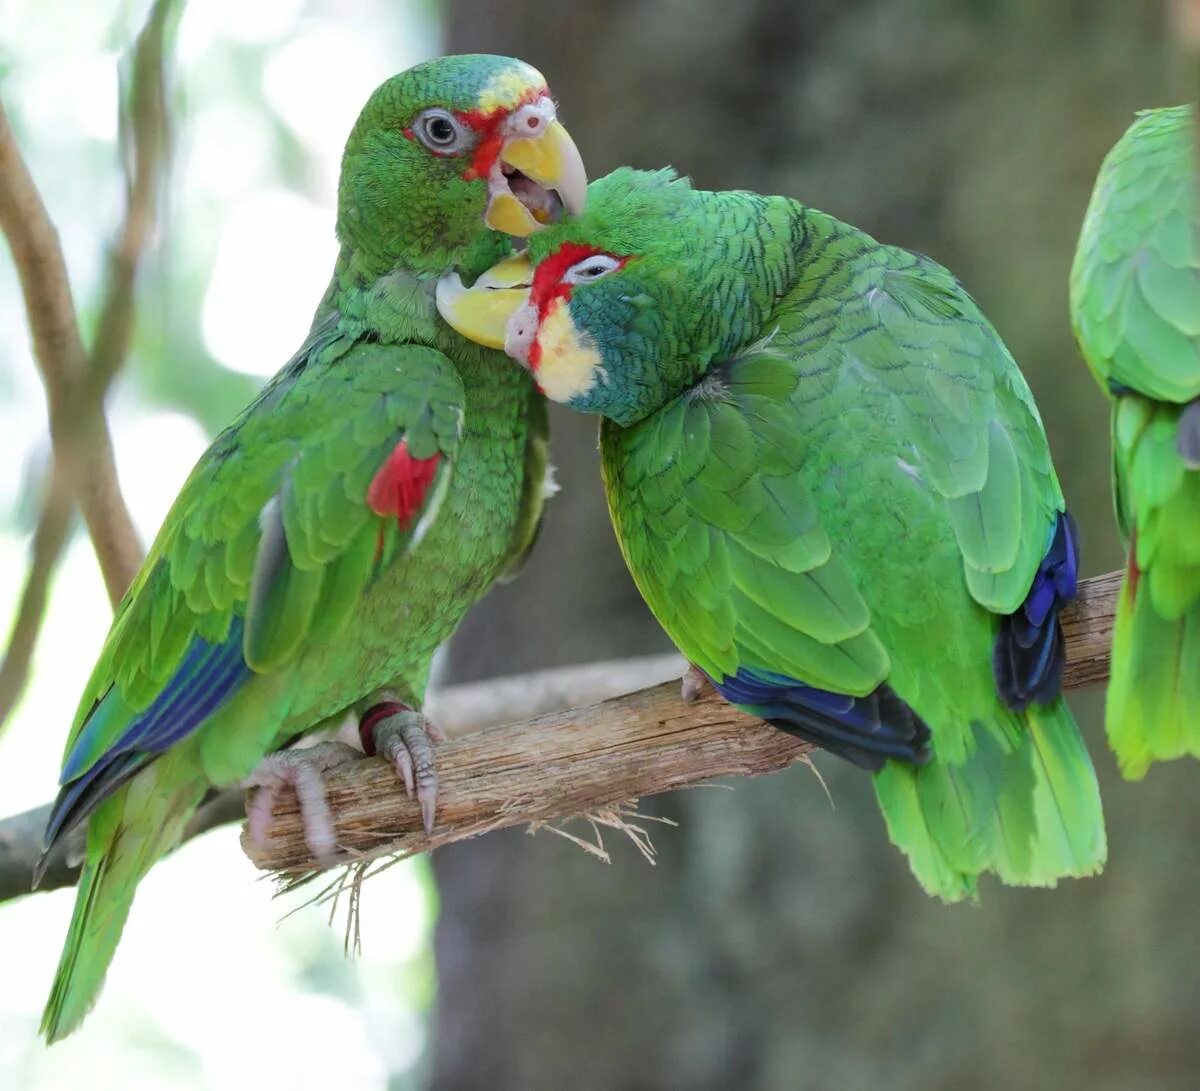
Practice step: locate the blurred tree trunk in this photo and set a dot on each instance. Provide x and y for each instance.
(781, 943)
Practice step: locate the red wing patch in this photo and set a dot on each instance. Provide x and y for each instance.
(399, 486)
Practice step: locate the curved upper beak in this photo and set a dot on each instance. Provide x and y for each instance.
(550, 160)
(481, 312)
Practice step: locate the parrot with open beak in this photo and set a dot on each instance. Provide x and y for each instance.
(337, 531)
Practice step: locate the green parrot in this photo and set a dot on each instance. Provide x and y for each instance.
(337, 531)
(1135, 306)
(832, 487)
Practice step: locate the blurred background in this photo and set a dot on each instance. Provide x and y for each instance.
(780, 942)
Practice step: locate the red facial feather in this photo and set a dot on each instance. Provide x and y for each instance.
(487, 124)
(549, 286)
(399, 486)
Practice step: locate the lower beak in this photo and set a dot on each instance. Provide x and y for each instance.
(481, 312)
(554, 163)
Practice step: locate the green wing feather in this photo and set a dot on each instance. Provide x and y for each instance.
(298, 462)
(855, 501)
(273, 526)
(1135, 306)
(537, 485)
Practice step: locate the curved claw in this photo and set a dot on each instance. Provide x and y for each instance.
(300, 769)
(406, 740)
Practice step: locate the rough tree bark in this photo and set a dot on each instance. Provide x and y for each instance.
(780, 943)
(553, 767)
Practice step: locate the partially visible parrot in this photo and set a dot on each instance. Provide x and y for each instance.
(335, 534)
(1135, 306)
(832, 487)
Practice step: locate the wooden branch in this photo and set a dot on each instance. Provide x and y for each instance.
(76, 382)
(82, 443)
(545, 764)
(21, 844)
(460, 710)
(49, 538)
(145, 131)
(558, 765)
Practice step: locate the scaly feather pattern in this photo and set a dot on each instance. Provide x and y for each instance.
(833, 489)
(332, 536)
(1135, 306)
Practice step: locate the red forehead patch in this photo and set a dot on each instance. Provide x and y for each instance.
(549, 286)
(547, 277)
(487, 124)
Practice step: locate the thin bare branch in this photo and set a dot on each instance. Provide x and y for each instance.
(146, 135)
(76, 382)
(82, 444)
(49, 538)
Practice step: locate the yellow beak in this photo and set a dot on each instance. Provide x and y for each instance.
(554, 163)
(481, 312)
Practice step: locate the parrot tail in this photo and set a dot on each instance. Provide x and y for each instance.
(1153, 709)
(1023, 805)
(119, 853)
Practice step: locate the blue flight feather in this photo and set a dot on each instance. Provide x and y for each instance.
(1030, 652)
(864, 730)
(204, 680)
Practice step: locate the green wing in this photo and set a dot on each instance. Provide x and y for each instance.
(536, 486)
(1135, 306)
(1135, 282)
(274, 529)
(856, 501)
(834, 499)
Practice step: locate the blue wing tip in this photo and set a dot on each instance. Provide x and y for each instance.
(206, 676)
(1029, 655)
(867, 731)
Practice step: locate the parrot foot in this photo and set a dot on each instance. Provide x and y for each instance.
(693, 685)
(405, 738)
(300, 769)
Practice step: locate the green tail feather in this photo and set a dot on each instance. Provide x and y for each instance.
(118, 855)
(1030, 814)
(1153, 708)
(87, 952)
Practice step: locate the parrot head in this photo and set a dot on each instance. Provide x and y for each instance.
(622, 308)
(446, 155)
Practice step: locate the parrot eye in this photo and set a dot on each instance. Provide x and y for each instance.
(591, 268)
(440, 131)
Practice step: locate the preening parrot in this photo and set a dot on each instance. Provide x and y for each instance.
(832, 487)
(1135, 306)
(337, 531)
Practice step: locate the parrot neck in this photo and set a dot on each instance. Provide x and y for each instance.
(395, 307)
(755, 273)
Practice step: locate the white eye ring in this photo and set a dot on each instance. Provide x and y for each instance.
(591, 268)
(440, 131)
